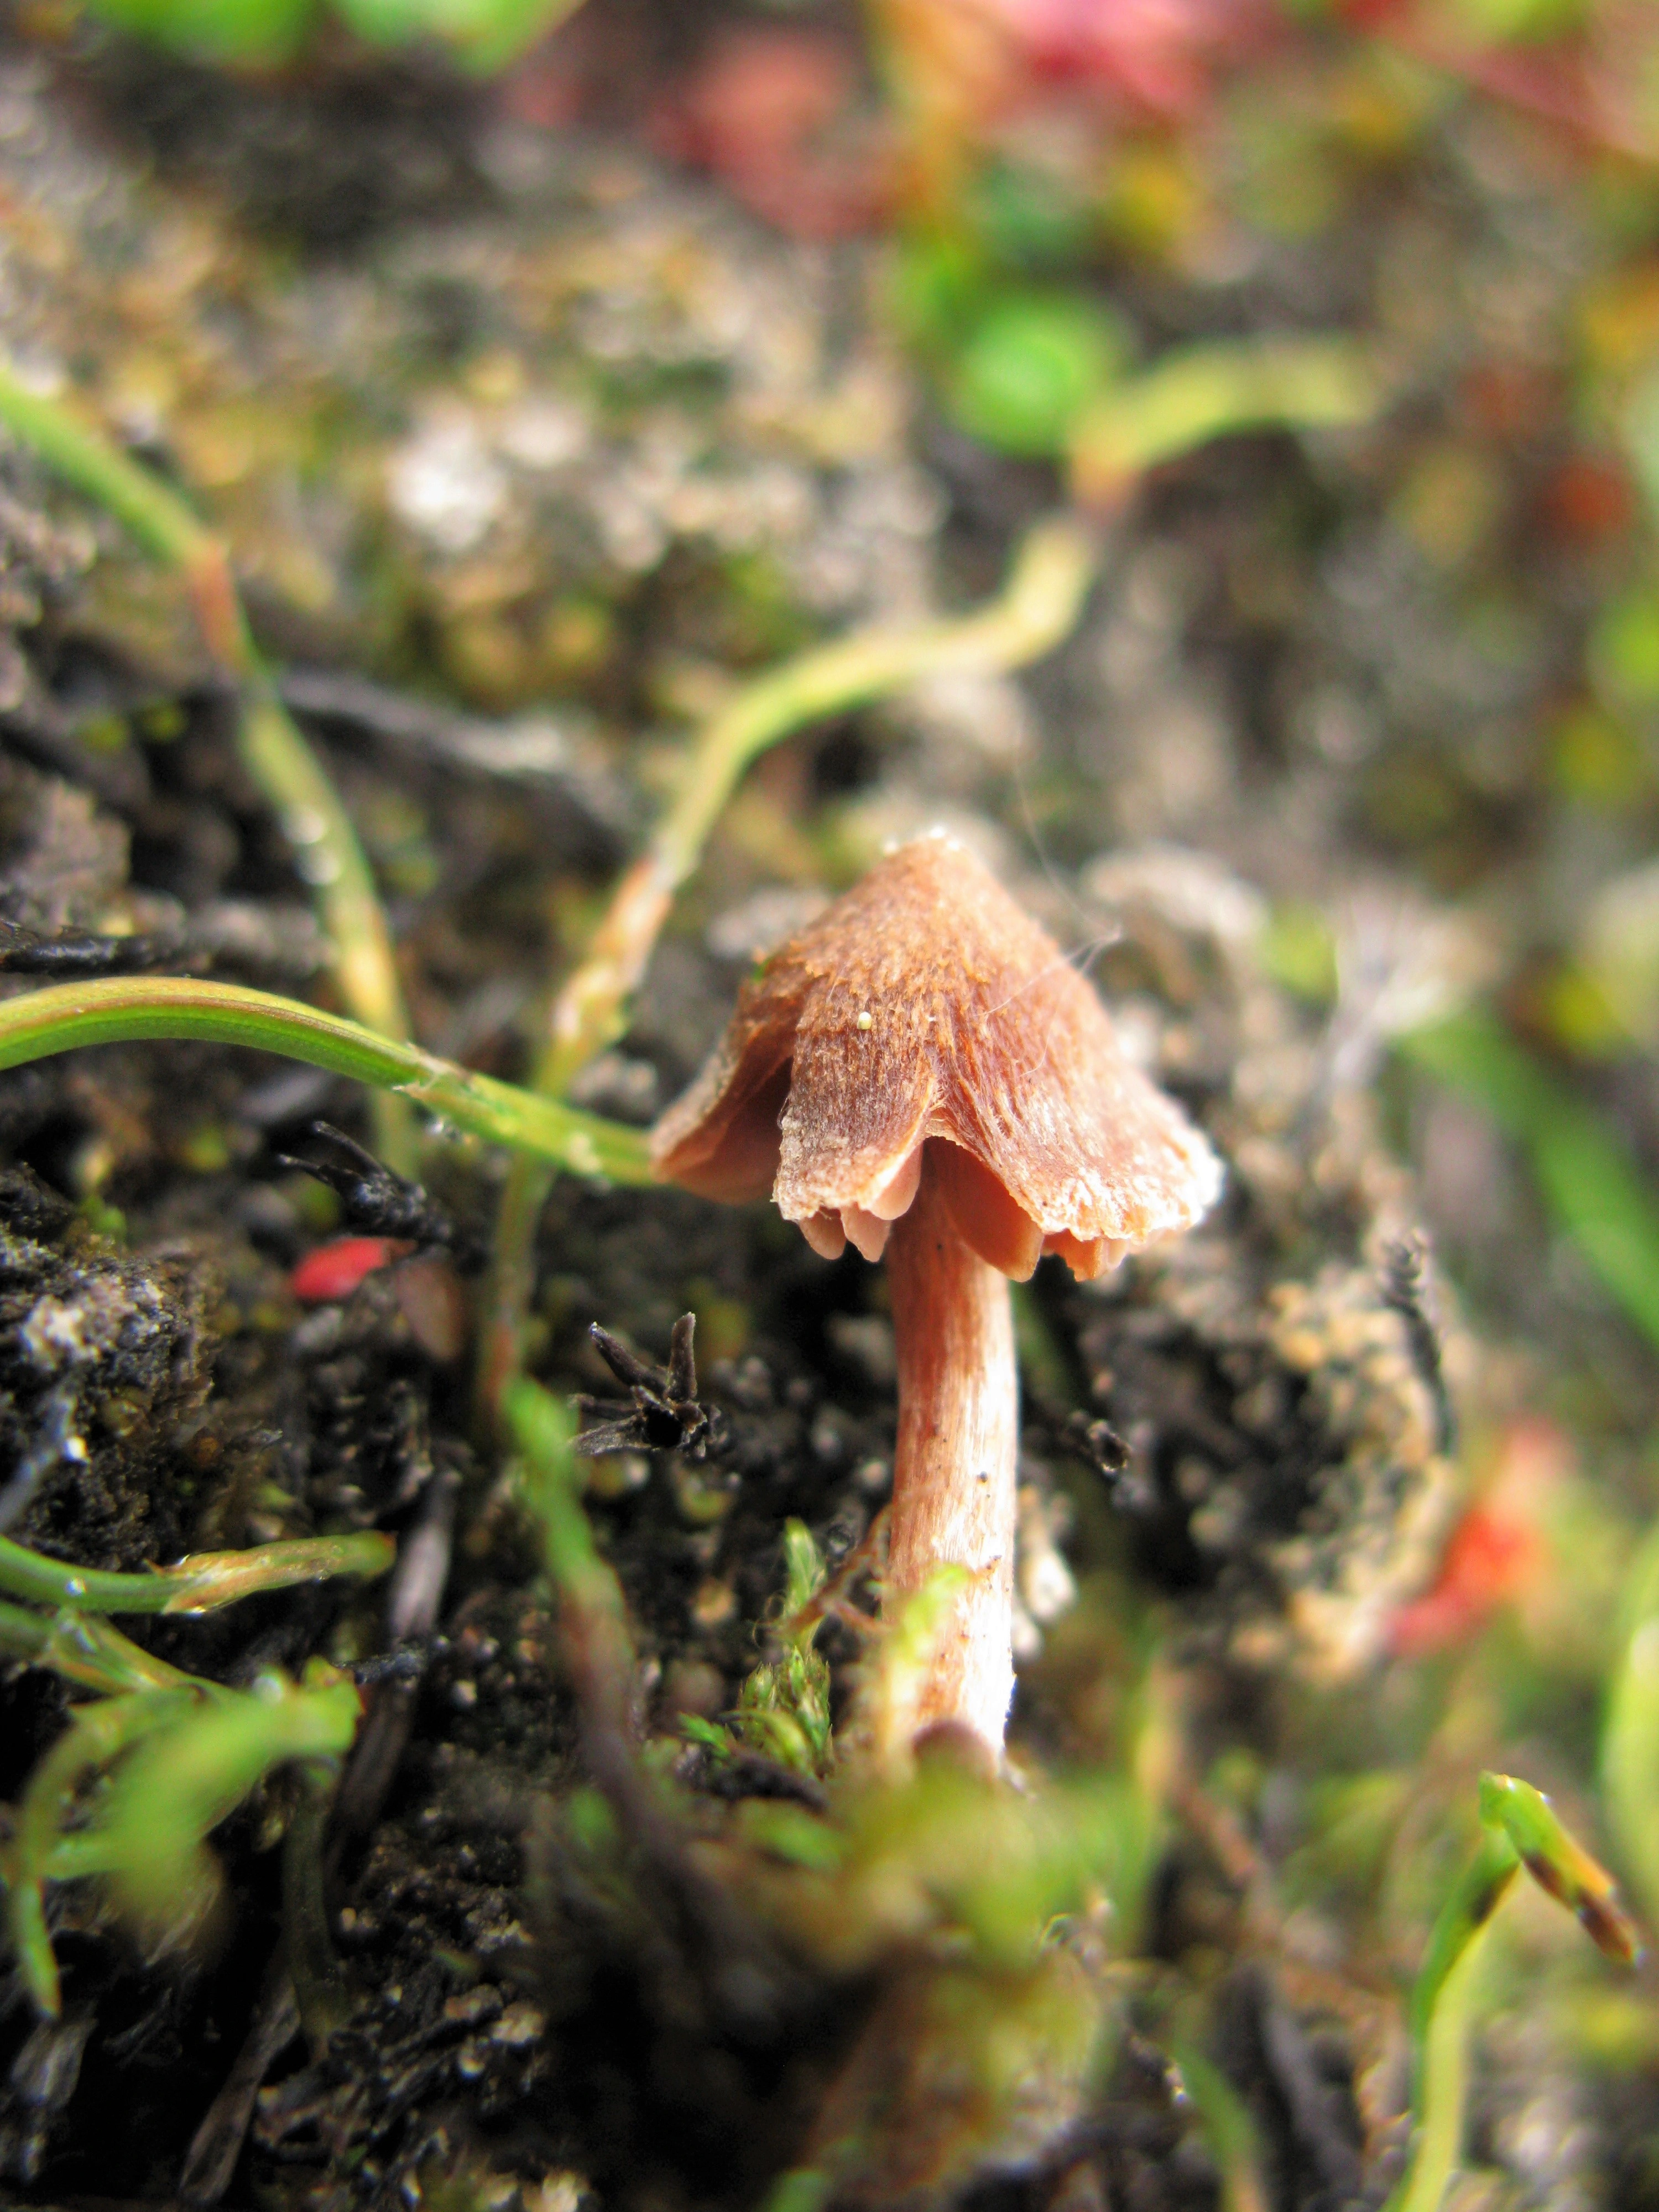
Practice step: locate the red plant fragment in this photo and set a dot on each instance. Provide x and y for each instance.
(1587, 500)
(1499, 1551)
(771, 111)
(1585, 81)
(1157, 55)
(333, 1270)
(1489, 1557)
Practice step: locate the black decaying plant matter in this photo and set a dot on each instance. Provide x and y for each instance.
(375, 1202)
(73, 955)
(1405, 1287)
(666, 1414)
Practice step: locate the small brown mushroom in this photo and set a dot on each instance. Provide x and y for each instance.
(920, 1072)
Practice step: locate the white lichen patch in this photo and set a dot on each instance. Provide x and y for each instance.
(60, 1333)
(444, 483)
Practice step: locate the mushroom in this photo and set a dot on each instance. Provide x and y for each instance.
(921, 1072)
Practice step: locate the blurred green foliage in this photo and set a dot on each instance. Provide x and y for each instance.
(262, 34)
(1588, 1179)
(1630, 1736)
(143, 1774)
(1046, 371)
(1028, 363)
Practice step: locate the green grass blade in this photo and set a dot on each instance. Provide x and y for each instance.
(543, 1430)
(96, 1735)
(1519, 1827)
(87, 1651)
(1587, 1178)
(122, 1009)
(274, 750)
(1228, 2128)
(148, 509)
(1442, 2024)
(1630, 1736)
(196, 1585)
(176, 1787)
(595, 1639)
(1558, 1863)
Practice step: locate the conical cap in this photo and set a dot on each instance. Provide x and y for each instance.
(925, 1008)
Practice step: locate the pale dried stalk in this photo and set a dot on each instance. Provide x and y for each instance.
(954, 1469)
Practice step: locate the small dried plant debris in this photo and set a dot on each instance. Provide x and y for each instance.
(666, 1414)
(376, 1202)
(57, 1441)
(73, 955)
(1099, 1446)
(1405, 1287)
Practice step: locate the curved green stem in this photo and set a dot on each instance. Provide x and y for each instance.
(1034, 611)
(1037, 608)
(273, 751)
(123, 1008)
(1518, 1828)
(199, 1585)
(149, 510)
(1199, 393)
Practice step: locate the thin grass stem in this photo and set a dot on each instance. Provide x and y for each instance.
(1229, 2131)
(1518, 1828)
(1630, 1731)
(198, 1584)
(120, 1009)
(1201, 392)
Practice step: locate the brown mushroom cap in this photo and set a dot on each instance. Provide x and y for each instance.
(924, 1008)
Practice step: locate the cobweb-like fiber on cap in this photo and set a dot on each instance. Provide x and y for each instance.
(925, 1005)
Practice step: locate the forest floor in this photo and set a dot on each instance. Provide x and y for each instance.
(529, 448)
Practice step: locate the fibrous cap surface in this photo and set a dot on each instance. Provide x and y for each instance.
(925, 1008)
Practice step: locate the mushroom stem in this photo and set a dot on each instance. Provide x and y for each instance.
(954, 1468)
